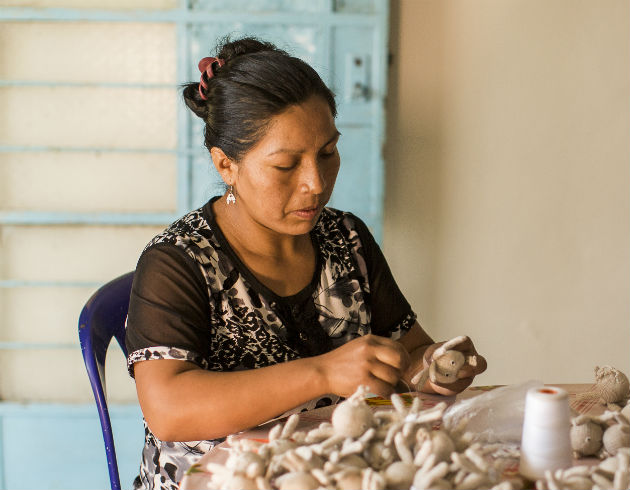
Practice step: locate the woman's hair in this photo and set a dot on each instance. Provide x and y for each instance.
(257, 81)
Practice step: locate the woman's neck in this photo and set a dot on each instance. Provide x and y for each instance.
(285, 264)
(248, 237)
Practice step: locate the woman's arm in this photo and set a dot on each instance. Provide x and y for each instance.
(421, 347)
(182, 402)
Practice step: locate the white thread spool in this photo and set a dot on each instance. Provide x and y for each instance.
(546, 441)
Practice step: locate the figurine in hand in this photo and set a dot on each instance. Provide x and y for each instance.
(451, 365)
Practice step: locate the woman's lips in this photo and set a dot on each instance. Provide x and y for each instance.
(307, 213)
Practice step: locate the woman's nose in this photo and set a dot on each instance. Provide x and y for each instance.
(312, 179)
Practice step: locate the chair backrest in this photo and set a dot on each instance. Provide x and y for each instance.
(102, 318)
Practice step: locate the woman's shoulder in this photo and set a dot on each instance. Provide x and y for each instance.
(191, 231)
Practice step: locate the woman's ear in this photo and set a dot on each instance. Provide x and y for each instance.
(227, 168)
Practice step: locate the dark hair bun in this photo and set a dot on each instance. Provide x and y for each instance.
(257, 82)
(227, 50)
(194, 101)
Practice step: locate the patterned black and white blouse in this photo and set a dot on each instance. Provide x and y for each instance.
(193, 299)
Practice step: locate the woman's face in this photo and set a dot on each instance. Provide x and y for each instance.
(286, 179)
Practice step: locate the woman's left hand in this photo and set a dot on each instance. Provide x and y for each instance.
(473, 364)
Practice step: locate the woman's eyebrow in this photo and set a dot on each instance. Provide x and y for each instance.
(334, 137)
(293, 150)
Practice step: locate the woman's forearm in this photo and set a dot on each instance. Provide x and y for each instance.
(181, 402)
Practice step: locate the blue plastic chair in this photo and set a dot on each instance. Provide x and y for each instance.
(102, 318)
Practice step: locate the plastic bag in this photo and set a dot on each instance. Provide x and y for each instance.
(495, 416)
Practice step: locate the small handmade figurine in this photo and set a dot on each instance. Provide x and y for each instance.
(600, 436)
(353, 417)
(586, 436)
(616, 436)
(611, 387)
(446, 362)
(603, 435)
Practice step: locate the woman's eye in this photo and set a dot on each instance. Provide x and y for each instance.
(285, 169)
(328, 154)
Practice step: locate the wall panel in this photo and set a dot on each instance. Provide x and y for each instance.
(66, 181)
(94, 4)
(71, 253)
(58, 375)
(41, 315)
(96, 52)
(85, 117)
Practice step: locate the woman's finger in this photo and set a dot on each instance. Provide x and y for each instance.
(385, 372)
(393, 354)
(380, 387)
(453, 388)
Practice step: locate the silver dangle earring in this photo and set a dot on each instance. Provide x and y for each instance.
(230, 197)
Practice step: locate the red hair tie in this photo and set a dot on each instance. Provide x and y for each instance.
(206, 65)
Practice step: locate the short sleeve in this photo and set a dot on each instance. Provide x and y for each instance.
(169, 309)
(391, 314)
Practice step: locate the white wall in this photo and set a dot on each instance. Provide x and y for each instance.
(507, 196)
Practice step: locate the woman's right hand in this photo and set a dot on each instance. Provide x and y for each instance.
(377, 362)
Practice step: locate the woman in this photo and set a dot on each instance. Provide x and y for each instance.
(264, 299)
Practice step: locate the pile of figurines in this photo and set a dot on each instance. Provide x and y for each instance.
(365, 449)
(405, 448)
